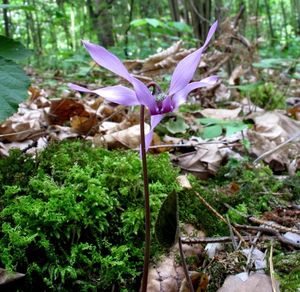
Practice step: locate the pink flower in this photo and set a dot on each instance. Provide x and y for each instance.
(158, 103)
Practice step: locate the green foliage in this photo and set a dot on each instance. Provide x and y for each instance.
(72, 218)
(12, 50)
(14, 82)
(13, 87)
(266, 96)
(287, 268)
(215, 127)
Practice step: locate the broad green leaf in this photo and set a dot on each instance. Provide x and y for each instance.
(180, 26)
(166, 226)
(13, 87)
(234, 127)
(177, 126)
(154, 22)
(209, 121)
(212, 132)
(12, 50)
(138, 22)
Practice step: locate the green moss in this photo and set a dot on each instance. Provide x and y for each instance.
(287, 268)
(267, 96)
(72, 218)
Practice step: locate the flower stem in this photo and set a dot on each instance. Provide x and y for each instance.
(147, 204)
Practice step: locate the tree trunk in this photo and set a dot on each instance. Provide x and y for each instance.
(201, 15)
(173, 4)
(102, 20)
(6, 19)
(284, 22)
(270, 21)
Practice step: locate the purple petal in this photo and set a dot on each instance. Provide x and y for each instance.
(107, 60)
(155, 120)
(117, 94)
(180, 97)
(186, 68)
(111, 62)
(144, 95)
(167, 105)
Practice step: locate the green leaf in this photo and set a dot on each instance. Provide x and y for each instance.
(12, 6)
(138, 22)
(166, 226)
(176, 126)
(12, 50)
(154, 22)
(180, 26)
(212, 132)
(209, 121)
(234, 127)
(13, 87)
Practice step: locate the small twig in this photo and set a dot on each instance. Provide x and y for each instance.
(185, 269)
(268, 224)
(218, 215)
(271, 231)
(278, 147)
(231, 233)
(198, 240)
(272, 269)
(252, 248)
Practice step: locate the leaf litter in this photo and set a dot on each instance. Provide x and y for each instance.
(268, 134)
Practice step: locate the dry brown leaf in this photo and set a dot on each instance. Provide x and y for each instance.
(7, 276)
(128, 138)
(221, 113)
(83, 125)
(62, 110)
(256, 282)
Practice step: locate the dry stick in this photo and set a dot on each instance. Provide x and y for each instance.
(198, 240)
(267, 224)
(272, 269)
(218, 215)
(147, 203)
(185, 269)
(264, 155)
(252, 248)
(269, 230)
(235, 246)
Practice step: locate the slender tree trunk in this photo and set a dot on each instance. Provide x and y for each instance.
(256, 19)
(270, 21)
(102, 20)
(186, 12)
(297, 8)
(64, 23)
(173, 4)
(128, 27)
(6, 19)
(284, 22)
(201, 14)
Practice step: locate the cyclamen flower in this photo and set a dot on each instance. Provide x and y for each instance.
(158, 103)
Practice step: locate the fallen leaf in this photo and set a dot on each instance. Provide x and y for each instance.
(221, 113)
(256, 282)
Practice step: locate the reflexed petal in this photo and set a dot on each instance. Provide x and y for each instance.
(180, 97)
(117, 94)
(186, 68)
(111, 62)
(107, 60)
(155, 120)
(144, 95)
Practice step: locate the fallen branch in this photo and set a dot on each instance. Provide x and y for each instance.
(222, 239)
(218, 215)
(278, 147)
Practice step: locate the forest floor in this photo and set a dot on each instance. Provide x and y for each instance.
(239, 138)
